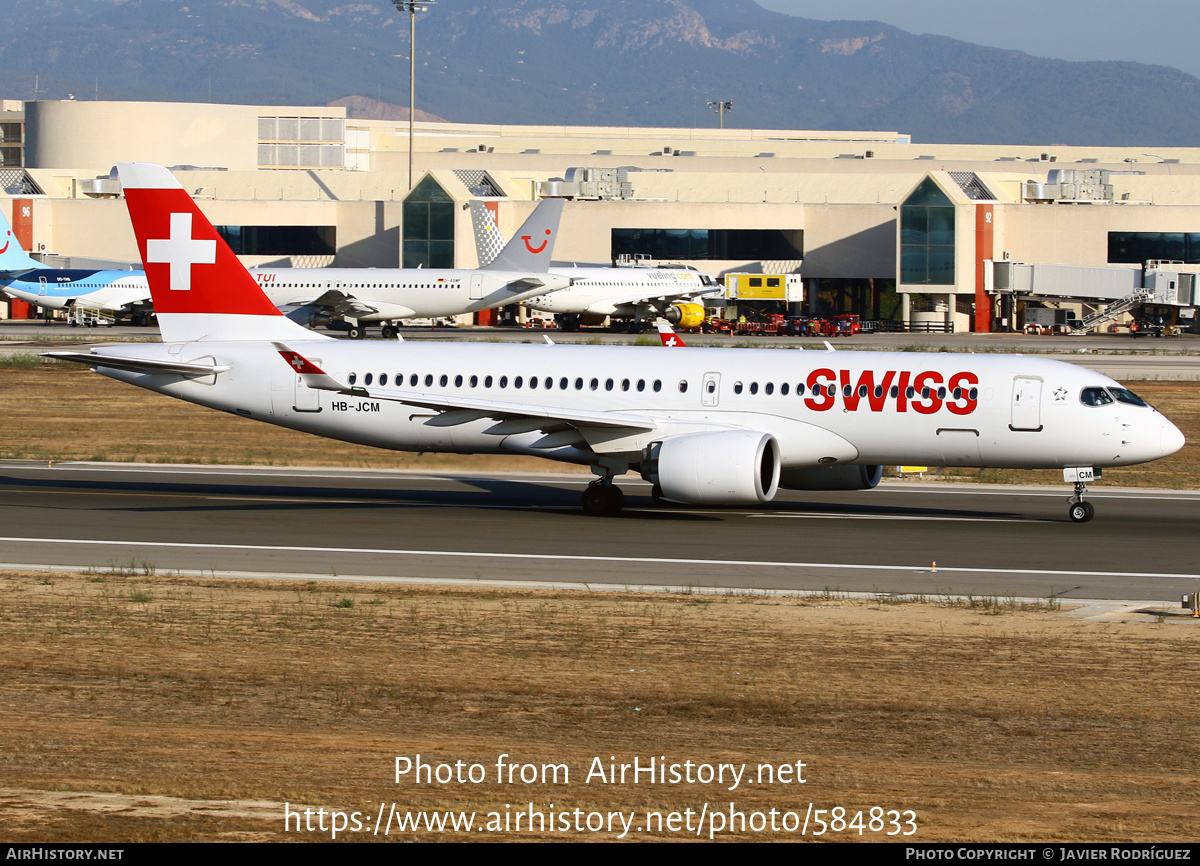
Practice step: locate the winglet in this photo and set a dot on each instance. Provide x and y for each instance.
(669, 338)
(829, 345)
(546, 337)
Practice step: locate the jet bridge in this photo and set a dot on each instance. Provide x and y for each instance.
(1108, 292)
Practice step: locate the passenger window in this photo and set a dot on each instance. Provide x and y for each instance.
(367, 379)
(458, 381)
(624, 384)
(533, 381)
(783, 389)
(641, 384)
(474, 381)
(711, 386)
(442, 381)
(657, 385)
(428, 380)
(753, 387)
(769, 388)
(800, 390)
(412, 380)
(352, 378)
(517, 382)
(503, 381)
(383, 378)
(683, 386)
(608, 384)
(737, 387)
(578, 384)
(487, 381)
(594, 384)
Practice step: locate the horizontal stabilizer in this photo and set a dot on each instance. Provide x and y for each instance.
(138, 365)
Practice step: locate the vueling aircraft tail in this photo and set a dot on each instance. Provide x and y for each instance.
(200, 290)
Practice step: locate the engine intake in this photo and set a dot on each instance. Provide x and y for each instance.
(728, 467)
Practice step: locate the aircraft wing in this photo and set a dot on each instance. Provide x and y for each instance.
(350, 307)
(661, 302)
(138, 365)
(118, 302)
(457, 409)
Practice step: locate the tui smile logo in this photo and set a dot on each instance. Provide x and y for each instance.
(530, 247)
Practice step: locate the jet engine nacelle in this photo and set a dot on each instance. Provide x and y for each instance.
(728, 467)
(846, 477)
(306, 315)
(685, 315)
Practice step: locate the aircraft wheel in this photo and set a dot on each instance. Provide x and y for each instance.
(1082, 512)
(389, 332)
(356, 332)
(599, 500)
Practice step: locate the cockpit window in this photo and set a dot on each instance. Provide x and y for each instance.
(1125, 396)
(1094, 397)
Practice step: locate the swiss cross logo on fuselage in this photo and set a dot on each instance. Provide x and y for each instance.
(181, 251)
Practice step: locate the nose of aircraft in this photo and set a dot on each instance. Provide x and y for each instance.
(1170, 437)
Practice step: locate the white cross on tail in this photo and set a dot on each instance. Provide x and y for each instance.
(181, 251)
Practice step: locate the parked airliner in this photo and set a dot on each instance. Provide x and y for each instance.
(343, 298)
(120, 294)
(639, 293)
(708, 427)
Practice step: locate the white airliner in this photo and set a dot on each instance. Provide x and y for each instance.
(707, 427)
(119, 294)
(343, 298)
(637, 293)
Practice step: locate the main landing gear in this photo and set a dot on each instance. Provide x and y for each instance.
(603, 498)
(1080, 511)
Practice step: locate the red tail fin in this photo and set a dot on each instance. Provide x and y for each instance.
(200, 289)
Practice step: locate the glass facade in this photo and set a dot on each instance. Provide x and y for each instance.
(927, 237)
(428, 227)
(280, 240)
(1137, 248)
(710, 244)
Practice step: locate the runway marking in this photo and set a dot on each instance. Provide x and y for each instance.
(801, 515)
(623, 560)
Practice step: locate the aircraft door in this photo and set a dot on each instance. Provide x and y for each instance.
(306, 399)
(476, 287)
(1026, 404)
(710, 389)
(41, 286)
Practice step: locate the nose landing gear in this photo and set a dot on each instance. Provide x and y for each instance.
(1078, 510)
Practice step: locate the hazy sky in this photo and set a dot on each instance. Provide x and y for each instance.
(1163, 32)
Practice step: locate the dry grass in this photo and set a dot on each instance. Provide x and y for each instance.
(990, 722)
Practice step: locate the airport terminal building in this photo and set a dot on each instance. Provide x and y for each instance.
(912, 235)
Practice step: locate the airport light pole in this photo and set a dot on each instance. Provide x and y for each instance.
(719, 107)
(412, 7)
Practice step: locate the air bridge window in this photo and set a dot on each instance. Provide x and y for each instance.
(1094, 397)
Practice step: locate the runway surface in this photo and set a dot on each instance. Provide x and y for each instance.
(1002, 541)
